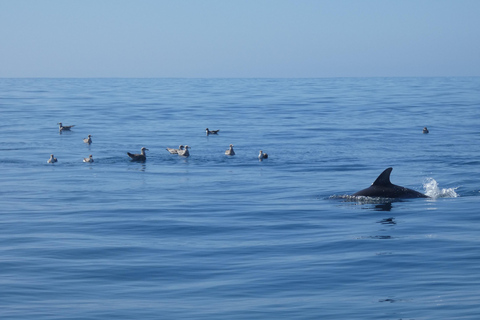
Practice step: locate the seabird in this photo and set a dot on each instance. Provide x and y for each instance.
(138, 157)
(61, 127)
(262, 155)
(175, 151)
(88, 140)
(52, 159)
(230, 151)
(184, 152)
(425, 130)
(211, 131)
(89, 159)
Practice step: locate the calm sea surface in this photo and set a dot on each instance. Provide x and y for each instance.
(218, 237)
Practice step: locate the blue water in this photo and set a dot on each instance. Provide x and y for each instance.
(218, 237)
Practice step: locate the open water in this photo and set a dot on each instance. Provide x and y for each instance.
(218, 237)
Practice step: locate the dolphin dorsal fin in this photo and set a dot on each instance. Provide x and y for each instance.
(384, 178)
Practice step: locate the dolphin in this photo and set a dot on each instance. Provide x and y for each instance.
(382, 187)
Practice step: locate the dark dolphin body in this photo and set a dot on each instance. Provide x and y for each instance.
(382, 187)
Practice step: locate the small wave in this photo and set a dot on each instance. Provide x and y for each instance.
(432, 190)
(364, 199)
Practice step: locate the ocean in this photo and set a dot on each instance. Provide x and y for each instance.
(211, 236)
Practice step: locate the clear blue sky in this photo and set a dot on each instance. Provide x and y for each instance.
(239, 38)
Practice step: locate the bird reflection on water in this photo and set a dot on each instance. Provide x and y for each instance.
(388, 221)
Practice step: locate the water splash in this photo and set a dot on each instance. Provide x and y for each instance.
(432, 190)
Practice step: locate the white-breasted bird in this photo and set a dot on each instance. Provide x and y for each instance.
(89, 159)
(184, 152)
(262, 155)
(230, 151)
(175, 151)
(88, 139)
(52, 159)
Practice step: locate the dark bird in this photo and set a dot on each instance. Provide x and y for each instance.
(425, 130)
(61, 127)
(211, 131)
(138, 157)
(89, 159)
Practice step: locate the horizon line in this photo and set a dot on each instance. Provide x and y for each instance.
(320, 77)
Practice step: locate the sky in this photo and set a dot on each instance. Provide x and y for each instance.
(239, 38)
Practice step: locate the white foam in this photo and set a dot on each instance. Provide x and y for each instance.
(432, 190)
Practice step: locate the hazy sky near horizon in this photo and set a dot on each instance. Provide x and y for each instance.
(239, 38)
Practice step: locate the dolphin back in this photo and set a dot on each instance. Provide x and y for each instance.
(382, 187)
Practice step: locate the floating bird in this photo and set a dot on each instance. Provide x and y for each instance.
(89, 159)
(425, 130)
(61, 127)
(230, 151)
(138, 157)
(262, 155)
(88, 140)
(175, 151)
(211, 131)
(52, 159)
(184, 152)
